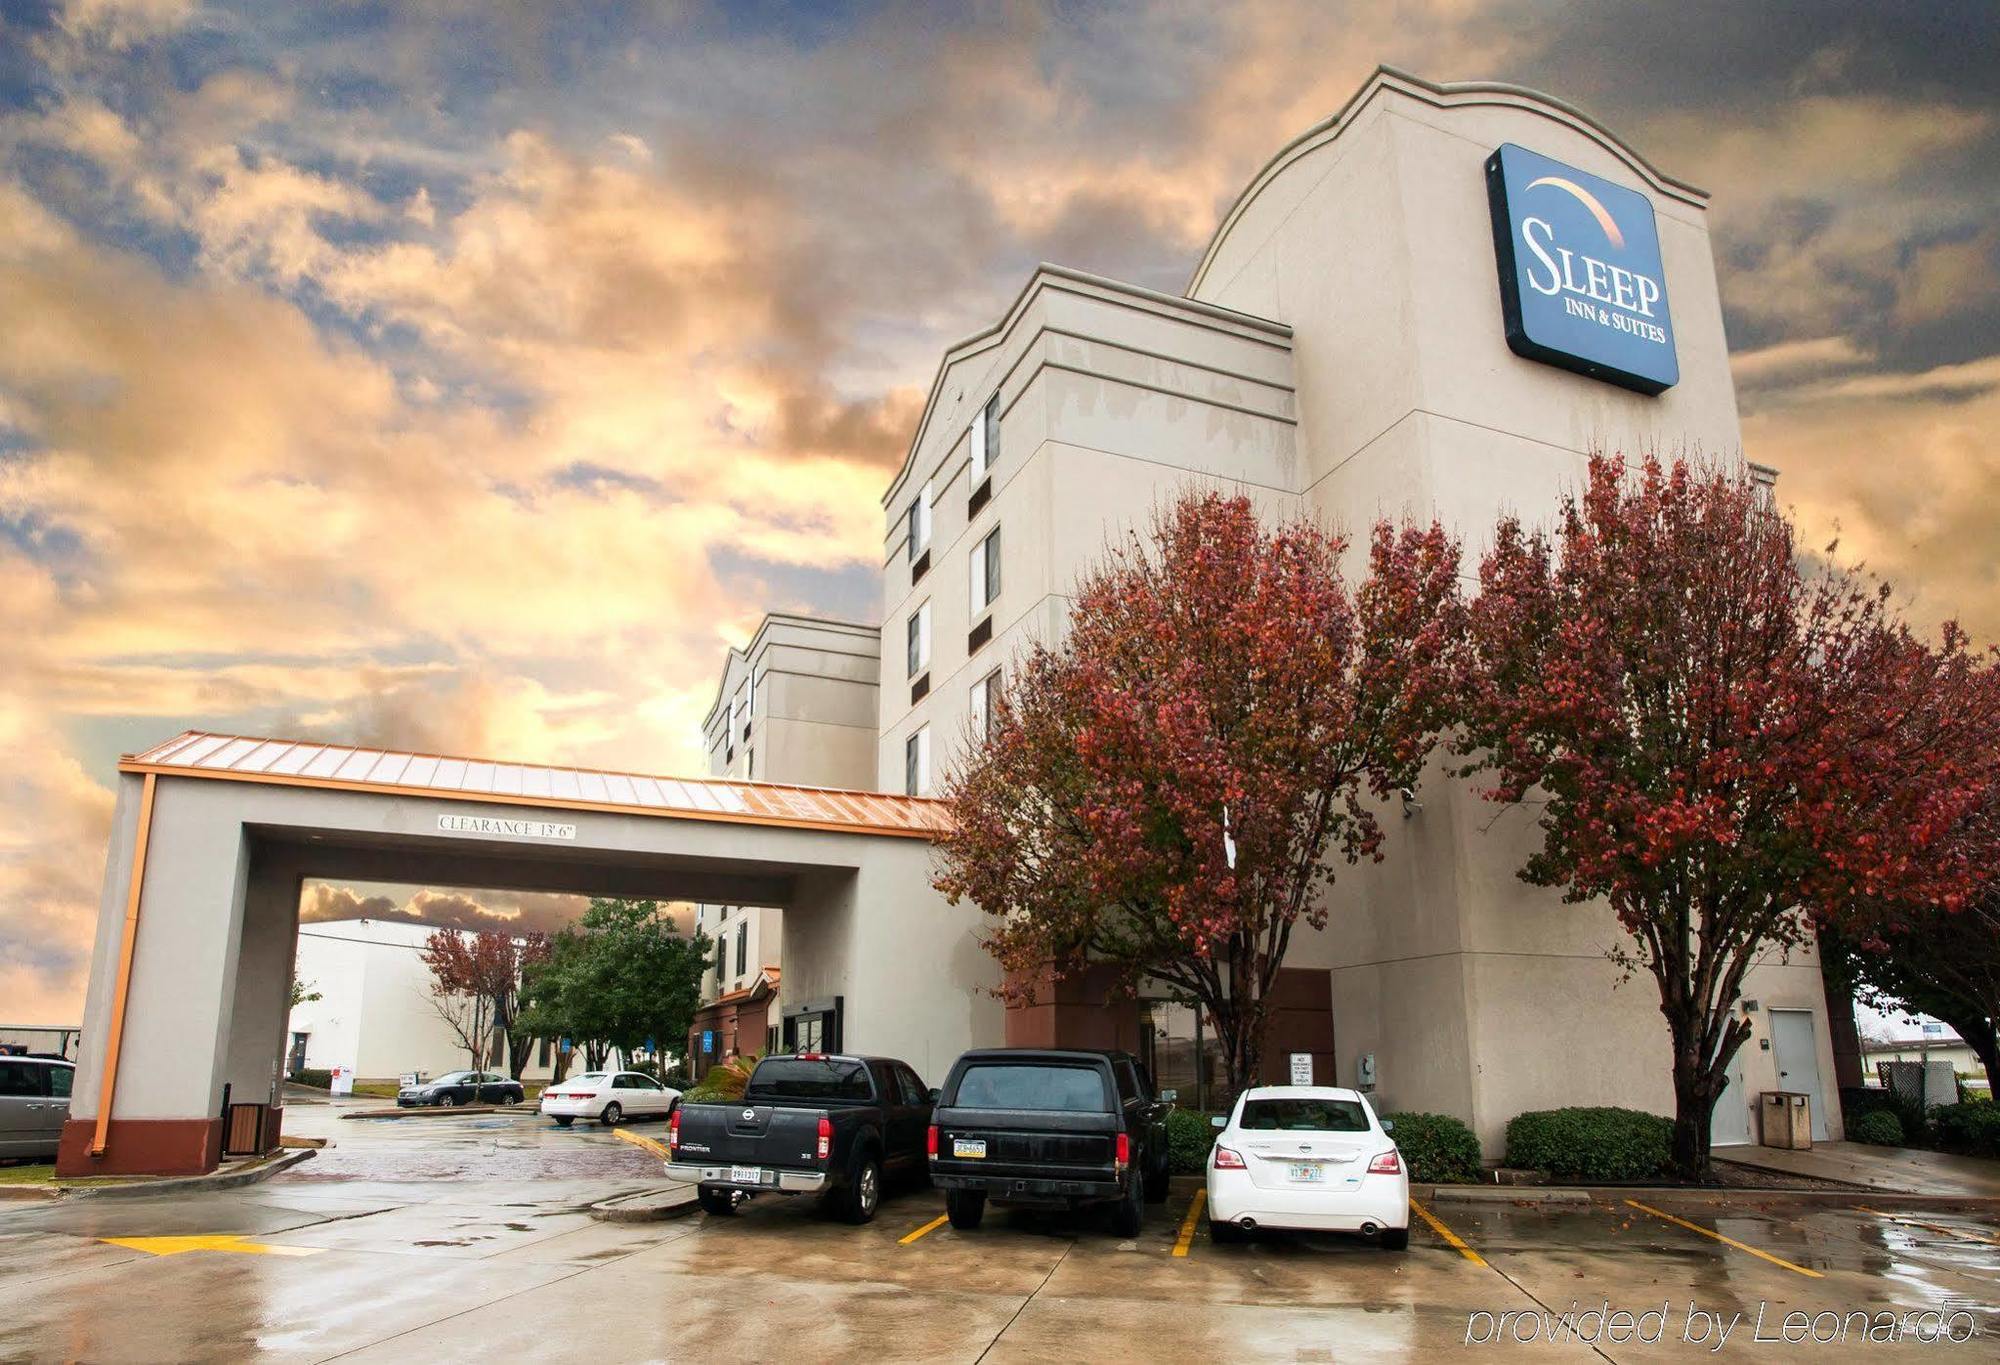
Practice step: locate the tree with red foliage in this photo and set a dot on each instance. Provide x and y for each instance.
(1720, 745)
(484, 968)
(1163, 790)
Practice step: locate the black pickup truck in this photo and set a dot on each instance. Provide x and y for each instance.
(1051, 1128)
(807, 1124)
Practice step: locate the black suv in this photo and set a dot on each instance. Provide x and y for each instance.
(1051, 1128)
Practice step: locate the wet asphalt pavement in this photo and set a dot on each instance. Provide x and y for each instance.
(467, 1238)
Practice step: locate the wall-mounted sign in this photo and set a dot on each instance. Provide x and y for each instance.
(1581, 282)
(1302, 1068)
(503, 828)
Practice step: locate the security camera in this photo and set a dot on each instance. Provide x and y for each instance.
(1410, 803)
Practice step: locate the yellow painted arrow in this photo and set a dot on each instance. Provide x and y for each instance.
(212, 1241)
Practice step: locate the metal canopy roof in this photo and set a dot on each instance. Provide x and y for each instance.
(341, 767)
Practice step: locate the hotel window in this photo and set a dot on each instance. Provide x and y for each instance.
(743, 946)
(721, 960)
(920, 523)
(917, 763)
(984, 573)
(985, 705)
(985, 440)
(918, 643)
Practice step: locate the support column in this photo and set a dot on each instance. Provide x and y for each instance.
(172, 1024)
(254, 1070)
(915, 980)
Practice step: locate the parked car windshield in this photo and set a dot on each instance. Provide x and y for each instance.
(453, 1078)
(1072, 1088)
(1304, 1116)
(826, 1078)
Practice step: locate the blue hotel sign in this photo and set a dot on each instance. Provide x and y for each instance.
(1581, 282)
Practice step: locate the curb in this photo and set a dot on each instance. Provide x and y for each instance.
(435, 1111)
(1509, 1194)
(30, 1194)
(226, 1180)
(648, 1206)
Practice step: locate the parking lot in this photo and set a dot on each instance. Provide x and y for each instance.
(468, 1237)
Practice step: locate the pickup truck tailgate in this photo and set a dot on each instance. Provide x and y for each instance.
(750, 1134)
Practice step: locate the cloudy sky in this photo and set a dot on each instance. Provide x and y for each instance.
(455, 380)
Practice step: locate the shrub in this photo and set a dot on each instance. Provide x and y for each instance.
(1970, 1129)
(1590, 1144)
(1189, 1136)
(725, 1082)
(1879, 1128)
(1439, 1149)
(316, 1077)
(1858, 1102)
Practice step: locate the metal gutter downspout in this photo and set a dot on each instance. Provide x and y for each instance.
(123, 990)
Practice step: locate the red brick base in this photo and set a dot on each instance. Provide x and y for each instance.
(142, 1147)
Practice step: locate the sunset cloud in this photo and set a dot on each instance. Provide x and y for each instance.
(460, 381)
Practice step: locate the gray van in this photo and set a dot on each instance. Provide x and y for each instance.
(34, 1104)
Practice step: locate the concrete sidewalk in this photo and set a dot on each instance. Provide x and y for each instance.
(1901, 1170)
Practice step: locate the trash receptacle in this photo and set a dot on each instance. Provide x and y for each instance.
(1787, 1119)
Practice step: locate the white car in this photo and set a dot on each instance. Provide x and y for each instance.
(1307, 1157)
(608, 1097)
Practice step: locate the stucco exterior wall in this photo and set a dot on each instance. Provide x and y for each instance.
(1372, 238)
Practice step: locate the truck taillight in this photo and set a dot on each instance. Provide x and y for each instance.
(930, 1142)
(1386, 1164)
(1124, 1150)
(825, 1137)
(674, 1131)
(1226, 1160)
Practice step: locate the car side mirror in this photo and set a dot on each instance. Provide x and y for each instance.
(935, 1092)
(1388, 1125)
(1169, 1096)
(1218, 1121)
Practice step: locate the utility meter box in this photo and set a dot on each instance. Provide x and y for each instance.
(1787, 1119)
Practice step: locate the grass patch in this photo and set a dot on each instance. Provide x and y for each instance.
(28, 1173)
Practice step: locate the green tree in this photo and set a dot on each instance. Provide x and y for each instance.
(1944, 963)
(618, 978)
(302, 993)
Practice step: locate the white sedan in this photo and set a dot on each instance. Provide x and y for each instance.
(1309, 1157)
(608, 1097)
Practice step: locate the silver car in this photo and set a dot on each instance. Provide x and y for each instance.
(34, 1105)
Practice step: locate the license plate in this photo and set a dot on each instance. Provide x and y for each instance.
(746, 1175)
(1308, 1174)
(969, 1147)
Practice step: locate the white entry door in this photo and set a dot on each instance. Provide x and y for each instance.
(1797, 1053)
(1729, 1126)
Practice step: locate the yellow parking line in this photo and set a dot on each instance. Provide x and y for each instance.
(931, 1226)
(1930, 1227)
(653, 1145)
(1449, 1236)
(1726, 1241)
(1188, 1223)
(213, 1241)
